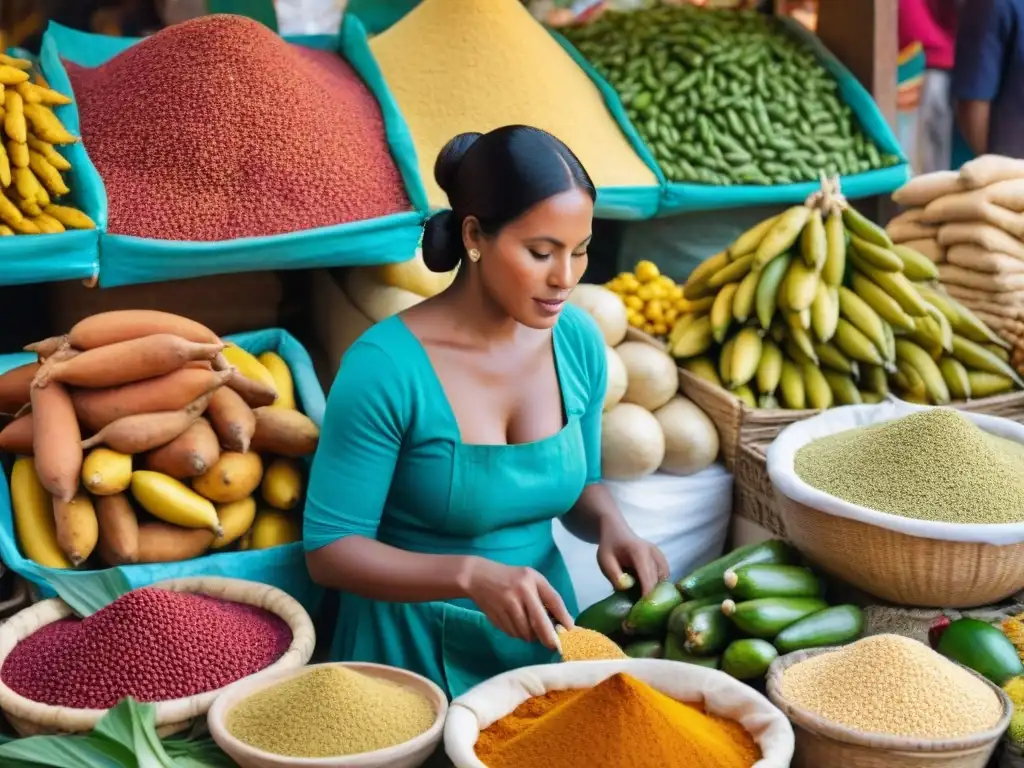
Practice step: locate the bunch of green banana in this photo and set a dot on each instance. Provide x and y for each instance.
(817, 307)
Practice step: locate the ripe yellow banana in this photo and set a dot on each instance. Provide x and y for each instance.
(909, 382)
(830, 357)
(885, 306)
(916, 266)
(746, 354)
(725, 361)
(945, 330)
(873, 379)
(896, 285)
(863, 227)
(721, 311)
(703, 368)
(696, 286)
(769, 368)
(835, 255)
(282, 376)
(732, 272)
(33, 517)
(751, 239)
(985, 384)
(781, 236)
(863, 318)
(801, 286)
(679, 327)
(964, 322)
(819, 393)
(173, 502)
(980, 359)
(799, 336)
(824, 312)
(909, 352)
(813, 243)
(766, 298)
(791, 386)
(743, 301)
(856, 345)
(955, 374)
(875, 255)
(746, 395)
(844, 391)
(695, 338)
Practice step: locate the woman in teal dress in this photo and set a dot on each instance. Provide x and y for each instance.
(458, 430)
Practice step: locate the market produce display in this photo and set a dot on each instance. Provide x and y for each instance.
(581, 644)
(971, 222)
(150, 644)
(626, 722)
(977, 645)
(727, 97)
(330, 711)
(932, 465)
(737, 613)
(31, 167)
(647, 425)
(287, 139)
(503, 68)
(142, 438)
(873, 685)
(817, 307)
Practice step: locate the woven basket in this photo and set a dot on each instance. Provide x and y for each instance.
(1009, 406)
(822, 744)
(30, 718)
(753, 495)
(904, 569)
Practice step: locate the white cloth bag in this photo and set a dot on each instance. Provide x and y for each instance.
(688, 517)
(309, 17)
(782, 452)
(721, 695)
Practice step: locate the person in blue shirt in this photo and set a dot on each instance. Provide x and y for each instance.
(456, 431)
(988, 77)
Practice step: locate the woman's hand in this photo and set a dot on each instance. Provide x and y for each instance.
(518, 601)
(620, 550)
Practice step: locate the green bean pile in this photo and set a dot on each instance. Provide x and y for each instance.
(727, 97)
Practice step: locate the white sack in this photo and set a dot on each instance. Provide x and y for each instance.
(794, 437)
(721, 695)
(309, 17)
(688, 517)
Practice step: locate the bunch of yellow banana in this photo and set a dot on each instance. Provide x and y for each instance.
(653, 301)
(30, 165)
(817, 307)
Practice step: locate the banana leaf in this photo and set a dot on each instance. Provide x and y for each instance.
(86, 593)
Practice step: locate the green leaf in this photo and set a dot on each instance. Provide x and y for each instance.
(87, 592)
(197, 753)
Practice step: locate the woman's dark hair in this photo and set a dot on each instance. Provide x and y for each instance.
(496, 177)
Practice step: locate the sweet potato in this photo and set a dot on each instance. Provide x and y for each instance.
(77, 529)
(46, 347)
(254, 393)
(190, 454)
(106, 328)
(16, 437)
(284, 432)
(232, 419)
(166, 543)
(146, 431)
(126, 361)
(119, 530)
(14, 387)
(171, 392)
(56, 441)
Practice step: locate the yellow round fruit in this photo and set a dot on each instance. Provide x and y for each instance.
(654, 312)
(670, 315)
(629, 283)
(633, 302)
(660, 329)
(636, 319)
(645, 292)
(676, 292)
(648, 328)
(646, 271)
(615, 286)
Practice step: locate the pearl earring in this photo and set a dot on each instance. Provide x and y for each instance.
(474, 254)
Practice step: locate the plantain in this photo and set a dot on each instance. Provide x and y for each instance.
(885, 306)
(873, 379)
(985, 384)
(703, 368)
(746, 355)
(791, 387)
(844, 391)
(801, 338)
(696, 284)
(898, 287)
(721, 311)
(801, 286)
(766, 297)
(909, 382)
(782, 235)
(909, 352)
(743, 301)
(916, 266)
(813, 242)
(751, 239)
(955, 374)
(731, 273)
(835, 255)
(855, 345)
(818, 391)
(864, 228)
(695, 340)
(864, 319)
(769, 367)
(964, 322)
(980, 359)
(725, 361)
(830, 357)
(746, 395)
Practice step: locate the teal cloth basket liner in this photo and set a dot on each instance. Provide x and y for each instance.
(71, 255)
(378, 15)
(126, 260)
(283, 567)
(681, 198)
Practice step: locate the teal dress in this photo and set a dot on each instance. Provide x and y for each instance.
(391, 466)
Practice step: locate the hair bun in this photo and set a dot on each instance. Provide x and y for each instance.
(450, 157)
(442, 245)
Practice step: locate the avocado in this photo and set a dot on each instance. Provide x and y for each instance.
(606, 616)
(981, 647)
(645, 649)
(833, 626)
(708, 631)
(766, 617)
(748, 659)
(674, 651)
(681, 613)
(751, 582)
(707, 580)
(650, 614)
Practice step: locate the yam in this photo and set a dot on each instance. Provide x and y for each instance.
(232, 419)
(15, 386)
(921, 190)
(234, 477)
(171, 392)
(254, 393)
(47, 347)
(189, 455)
(970, 256)
(56, 442)
(989, 169)
(105, 328)
(1009, 194)
(166, 543)
(118, 530)
(146, 431)
(126, 361)
(77, 528)
(17, 436)
(284, 432)
(988, 237)
(910, 225)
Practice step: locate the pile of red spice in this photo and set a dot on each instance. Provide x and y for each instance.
(217, 128)
(150, 644)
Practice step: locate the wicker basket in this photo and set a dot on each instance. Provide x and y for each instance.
(1009, 406)
(822, 744)
(753, 496)
(30, 718)
(904, 569)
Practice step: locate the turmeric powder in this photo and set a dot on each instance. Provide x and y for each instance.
(620, 723)
(579, 644)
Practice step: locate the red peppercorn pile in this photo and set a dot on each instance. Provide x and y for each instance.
(217, 128)
(151, 644)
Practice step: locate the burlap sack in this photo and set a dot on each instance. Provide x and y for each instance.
(910, 225)
(921, 190)
(969, 296)
(988, 237)
(996, 283)
(1009, 194)
(989, 169)
(1010, 312)
(929, 247)
(1011, 330)
(971, 256)
(973, 206)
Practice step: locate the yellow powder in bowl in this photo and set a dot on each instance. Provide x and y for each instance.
(456, 66)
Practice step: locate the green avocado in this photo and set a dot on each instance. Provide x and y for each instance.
(981, 647)
(650, 614)
(606, 616)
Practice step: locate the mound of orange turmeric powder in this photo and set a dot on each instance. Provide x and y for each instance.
(620, 723)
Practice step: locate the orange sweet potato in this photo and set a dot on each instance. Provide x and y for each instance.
(188, 455)
(119, 530)
(171, 392)
(255, 393)
(56, 441)
(166, 543)
(232, 419)
(284, 432)
(126, 361)
(14, 387)
(115, 326)
(146, 431)
(48, 346)
(16, 437)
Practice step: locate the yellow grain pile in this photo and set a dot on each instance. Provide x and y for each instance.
(476, 65)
